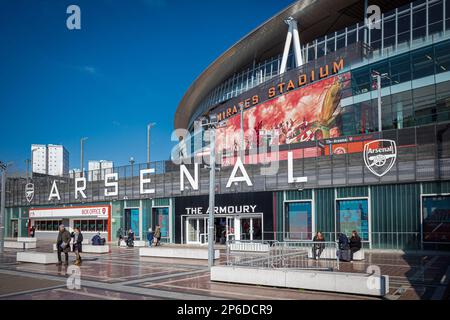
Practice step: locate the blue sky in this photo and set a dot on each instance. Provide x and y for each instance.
(130, 64)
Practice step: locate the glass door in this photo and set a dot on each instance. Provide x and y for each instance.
(192, 230)
(251, 228)
(230, 229)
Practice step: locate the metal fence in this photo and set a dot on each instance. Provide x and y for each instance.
(298, 255)
(423, 154)
(413, 240)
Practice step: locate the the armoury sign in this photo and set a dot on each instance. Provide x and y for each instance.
(380, 156)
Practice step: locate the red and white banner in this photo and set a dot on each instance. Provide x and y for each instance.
(101, 212)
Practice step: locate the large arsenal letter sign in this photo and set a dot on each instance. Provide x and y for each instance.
(380, 156)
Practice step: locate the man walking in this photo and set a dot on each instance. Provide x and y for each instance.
(63, 244)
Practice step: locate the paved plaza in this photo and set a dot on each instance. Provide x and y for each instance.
(122, 274)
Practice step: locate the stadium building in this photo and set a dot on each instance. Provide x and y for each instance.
(358, 114)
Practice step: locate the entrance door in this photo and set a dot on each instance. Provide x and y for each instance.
(161, 218)
(251, 228)
(132, 221)
(14, 228)
(230, 229)
(196, 230)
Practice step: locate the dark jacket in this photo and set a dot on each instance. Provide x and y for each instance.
(96, 240)
(319, 245)
(78, 245)
(150, 236)
(64, 236)
(355, 242)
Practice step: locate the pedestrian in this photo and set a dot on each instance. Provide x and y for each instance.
(63, 244)
(97, 240)
(157, 234)
(119, 235)
(77, 244)
(355, 243)
(150, 237)
(32, 231)
(318, 246)
(130, 238)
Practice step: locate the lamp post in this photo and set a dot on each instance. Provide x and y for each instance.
(3, 168)
(211, 125)
(149, 127)
(377, 76)
(132, 172)
(81, 155)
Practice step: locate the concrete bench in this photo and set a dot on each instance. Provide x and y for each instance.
(343, 282)
(249, 246)
(88, 248)
(330, 253)
(26, 239)
(137, 243)
(140, 243)
(20, 245)
(177, 252)
(37, 257)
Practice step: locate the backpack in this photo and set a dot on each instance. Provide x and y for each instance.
(343, 242)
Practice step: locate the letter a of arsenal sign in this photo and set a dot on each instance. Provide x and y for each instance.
(380, 156)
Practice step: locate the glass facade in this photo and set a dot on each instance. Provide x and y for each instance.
(436, 219)
(298, 220)
(410, 26)
(353, 215)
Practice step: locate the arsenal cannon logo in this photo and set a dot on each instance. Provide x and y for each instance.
(29, 192)
(380, 156)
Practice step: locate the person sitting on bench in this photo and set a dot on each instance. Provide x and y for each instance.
(97, 240)
(355, 243)
(318, 247)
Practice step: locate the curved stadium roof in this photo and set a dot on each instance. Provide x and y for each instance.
(315, 18)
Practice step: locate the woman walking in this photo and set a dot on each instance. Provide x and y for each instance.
(77, 244)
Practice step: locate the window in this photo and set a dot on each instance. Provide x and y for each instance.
(389, 32)
(400, 69)
(442, 52)
(298, 221)
(447, 14)
(419, 23)
(403, 25)
(435, 16)
(436, 218)
(47, 225)
(423, 63)
(161, 218)
(353, 215)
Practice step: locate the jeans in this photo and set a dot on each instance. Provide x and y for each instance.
(66, 254)
(317, 252)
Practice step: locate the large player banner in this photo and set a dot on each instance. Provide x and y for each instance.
(306, 114)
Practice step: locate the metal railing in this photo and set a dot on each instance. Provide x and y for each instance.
(413, 240)
(299, 255)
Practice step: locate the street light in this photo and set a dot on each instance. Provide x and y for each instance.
(377, 76)
(81, 155)
(132, 171)
(3, 168)
(149, 127)
(211, 125)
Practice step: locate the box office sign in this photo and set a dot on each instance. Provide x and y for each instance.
(101, 212)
